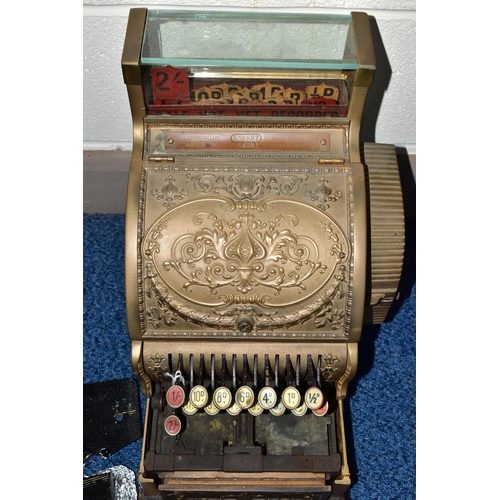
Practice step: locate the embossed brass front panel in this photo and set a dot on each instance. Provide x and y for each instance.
(222, 242)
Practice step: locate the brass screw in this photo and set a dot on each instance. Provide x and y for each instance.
(245, 324)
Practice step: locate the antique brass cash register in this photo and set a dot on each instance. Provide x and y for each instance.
(260, 237)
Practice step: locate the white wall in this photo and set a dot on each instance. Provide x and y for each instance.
(106, 114)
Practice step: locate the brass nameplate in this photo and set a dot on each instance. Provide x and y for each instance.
(170, 140)
(289, 141)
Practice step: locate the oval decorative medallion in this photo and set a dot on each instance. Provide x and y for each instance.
(280, 257)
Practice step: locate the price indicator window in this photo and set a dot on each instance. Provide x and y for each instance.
(235, 64)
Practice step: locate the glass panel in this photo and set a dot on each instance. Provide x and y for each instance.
(251, 40)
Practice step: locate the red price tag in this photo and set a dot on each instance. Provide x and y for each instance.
(172, 425)
(319, 101)
(175, 396)
(320, 412)
(170, 84)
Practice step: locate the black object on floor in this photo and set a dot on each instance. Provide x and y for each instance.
(111, 416)
(98, 487)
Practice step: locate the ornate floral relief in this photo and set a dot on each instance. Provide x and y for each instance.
(152, 244)
(332, 313)
(160, 318)
(247, 185)
(329, 316)
(158, 364)
(338, 247)
(244, 253)
(162, 315)
(241, 250)
(324, 194)
(270, 319)
(328, 367)
(246, 310)
(170, 193)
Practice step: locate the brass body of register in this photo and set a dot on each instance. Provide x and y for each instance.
(260, 237)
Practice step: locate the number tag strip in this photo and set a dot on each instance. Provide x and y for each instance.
(268, 93)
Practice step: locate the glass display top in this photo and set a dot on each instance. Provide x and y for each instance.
(249, 40)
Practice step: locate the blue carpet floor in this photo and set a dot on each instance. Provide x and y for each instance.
(381, 408)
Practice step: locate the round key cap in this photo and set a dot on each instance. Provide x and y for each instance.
(211, 409)
(189, 409)
(222, 398)
(244, 397)
(314, 398)
(198, 396)
(321, 412)
(234, 409)
(172, 425)
(175, 396)
(267, 398)
(278, 410)
(300, 411)
(255, 410)
(291, 398)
